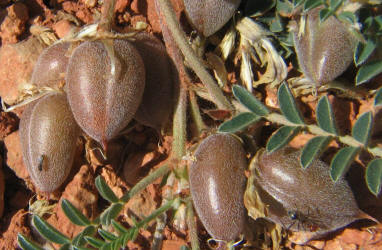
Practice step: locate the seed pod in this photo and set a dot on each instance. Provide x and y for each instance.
(324, 50)
(105, 86)
(217, 184)
(157, 100)
(208, 16)
(303, 199)
(51, 66)
(48, 135)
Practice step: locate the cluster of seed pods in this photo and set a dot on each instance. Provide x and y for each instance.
(300, 200)
(104, 84)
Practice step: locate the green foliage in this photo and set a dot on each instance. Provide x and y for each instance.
(374, 176)
(94, 230)
(325, 116)
(341, 162)
(292, 124)
(313, 149)
(281, 137)
(288, 105)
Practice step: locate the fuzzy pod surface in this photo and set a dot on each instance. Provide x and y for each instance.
(48, 136)
(208, 16)
(304, 199)
(157, 100)
(324, 50)
(51, 65)
(217, 184)
(105, 81)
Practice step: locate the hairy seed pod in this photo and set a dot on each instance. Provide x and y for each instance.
(51, 65)
(105, 82)
(48, 135)
(217, 184)
(324, 50)
(208, 16)
(304, 199)
(157, 100)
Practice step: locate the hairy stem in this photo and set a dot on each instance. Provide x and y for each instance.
(142, 184)
(107, 14)
(192, 226)
(190, 56)
(195, 112)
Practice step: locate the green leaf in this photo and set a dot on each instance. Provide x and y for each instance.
(325, 116)
(105, 190)
(107, 235)
(184, 247)
(239, 122)
(311, 4)
(361, 130)
(347, 16)
(49, 232)
(325, 14)
(288, 105)
(363, 51)
(94, 242)
(74, 214)
(27, 244)
(297, 3)
(281, 137)
(313, 149)
(341, 162)
(368, 71)
(335, 4)
(276, 25)
(111, 213)
(79, 240)
(374, 176)
(378, 98)
(121, 229)
(67, 246)
(248, 100)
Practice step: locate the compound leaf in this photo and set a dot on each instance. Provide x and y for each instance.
(248, 100)
(239, 122)
(74, 214)
(27, 244)
(288, 104)
(341, 162)
(49, 232)
(361, 130)
(281, 137)
(105, 190)
(325, 116)
(374, 176)
(313, 149)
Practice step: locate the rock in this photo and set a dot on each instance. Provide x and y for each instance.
(8, 124)
(13, 24)
(16, 66)
(82, 193)
(17, 225)
(14, 156)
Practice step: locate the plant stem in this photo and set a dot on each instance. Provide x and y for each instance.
(179, 126)
(190, 56)
(314, 129)
(107, 14)
(192, 226)
(156, 213)
(142, 184)
(195, 112)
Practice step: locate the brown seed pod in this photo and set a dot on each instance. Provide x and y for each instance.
(48, 135)
(157, 100)
(105, 82)
(217, 184)
(51, 65)
(303, 199)
(324, 50)
(208, 16)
